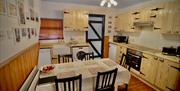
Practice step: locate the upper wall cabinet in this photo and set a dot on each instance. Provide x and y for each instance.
(163, 17)
(75, 20)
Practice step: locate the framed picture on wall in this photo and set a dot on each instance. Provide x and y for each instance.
(17, 35)
(29, 33)
(24, 32)
(3, 10)
(21, 11)
(12, 7)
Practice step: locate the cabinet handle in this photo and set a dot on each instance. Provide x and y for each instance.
(155, 28)
(85, 27)
(53, 58)
(162, 60)
(156, 9)
(155, 58)
(169, 88)
(175, 68)
(66, 12)
(145, 57)
(135, 13)
(136, 18)
(153, 16)
(132, 28)
(142, 73)
(116, 16)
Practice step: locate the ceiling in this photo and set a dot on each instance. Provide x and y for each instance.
(121, 3)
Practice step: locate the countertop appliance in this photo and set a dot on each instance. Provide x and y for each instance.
(169, 51)
(133, 59)
(120, 39)
(178, 51)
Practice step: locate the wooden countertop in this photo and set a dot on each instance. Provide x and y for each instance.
(154, 52)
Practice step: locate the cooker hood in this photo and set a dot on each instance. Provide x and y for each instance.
(143, 23)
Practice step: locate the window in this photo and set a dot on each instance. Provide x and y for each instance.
(51, 29)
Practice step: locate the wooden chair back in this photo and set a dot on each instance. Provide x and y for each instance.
(69, 84)
(88, 56)
(65, 58)
(106, 80)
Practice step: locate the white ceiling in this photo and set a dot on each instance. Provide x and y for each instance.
(121, 3)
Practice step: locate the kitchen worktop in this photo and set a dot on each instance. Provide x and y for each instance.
(51, 45)
(154, 52)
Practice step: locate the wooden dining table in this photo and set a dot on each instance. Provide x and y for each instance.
(88, 69)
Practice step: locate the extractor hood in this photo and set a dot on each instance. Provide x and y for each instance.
(143, 23)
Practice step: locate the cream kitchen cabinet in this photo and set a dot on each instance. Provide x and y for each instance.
(148, 68)
(173, 76)
(176, 18)
(113, 51)
(75, 20)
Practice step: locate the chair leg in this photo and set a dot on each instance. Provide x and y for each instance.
(126, 87)
(116, 87)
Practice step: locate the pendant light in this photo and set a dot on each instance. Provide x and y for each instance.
(109, 3)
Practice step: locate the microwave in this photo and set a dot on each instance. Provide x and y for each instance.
(120, 39)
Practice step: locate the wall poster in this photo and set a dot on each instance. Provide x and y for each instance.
(21, 12)
(2, 6)
(12, 7)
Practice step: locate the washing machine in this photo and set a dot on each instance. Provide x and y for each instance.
(79, 51)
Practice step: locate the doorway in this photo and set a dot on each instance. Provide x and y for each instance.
(95, 34)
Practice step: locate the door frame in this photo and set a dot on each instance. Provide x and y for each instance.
(99, 39)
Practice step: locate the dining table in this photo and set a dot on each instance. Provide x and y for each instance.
(88, 69)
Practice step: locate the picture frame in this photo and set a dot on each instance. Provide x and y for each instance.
(3, 9)
(12, 8)
(21, 12)
(17, 35)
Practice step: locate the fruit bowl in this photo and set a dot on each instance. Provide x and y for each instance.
(47, 68)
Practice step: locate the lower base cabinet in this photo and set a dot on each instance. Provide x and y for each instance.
(160, 72)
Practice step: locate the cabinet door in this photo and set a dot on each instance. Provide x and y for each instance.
(149, 68)
(176, 17)
(156, 15)
(68, 21)
(162, 73)
(173, 75)
(83, 20)
(112, 52)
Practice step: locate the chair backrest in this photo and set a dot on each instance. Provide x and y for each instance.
(69, 84)
(88, 56)
(123, 60)
(65, 58)
(106, 80)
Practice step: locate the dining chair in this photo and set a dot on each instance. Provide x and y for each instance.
(69, 84)
(106, 80)
(65, 58)
(123, 60)
(88, 56)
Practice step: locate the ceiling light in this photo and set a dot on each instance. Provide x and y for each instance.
(109, 3)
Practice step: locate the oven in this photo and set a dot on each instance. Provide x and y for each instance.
(133, 59)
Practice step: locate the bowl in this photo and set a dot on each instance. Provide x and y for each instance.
(47, 68)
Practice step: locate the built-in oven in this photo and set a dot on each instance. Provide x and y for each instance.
(133, 59)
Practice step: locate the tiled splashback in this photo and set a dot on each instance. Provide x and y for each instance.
(152, 39)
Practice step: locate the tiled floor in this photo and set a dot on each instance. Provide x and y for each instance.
(136, 85)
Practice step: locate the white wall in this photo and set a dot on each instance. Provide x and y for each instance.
(8, 45)
(55, 10)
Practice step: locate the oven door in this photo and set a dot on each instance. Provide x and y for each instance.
(133, 61)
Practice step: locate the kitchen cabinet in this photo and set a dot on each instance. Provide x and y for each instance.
(176, 18)
(148, 68)
(173, 76)
(75, 20)
(121, 50)
(162, 73)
